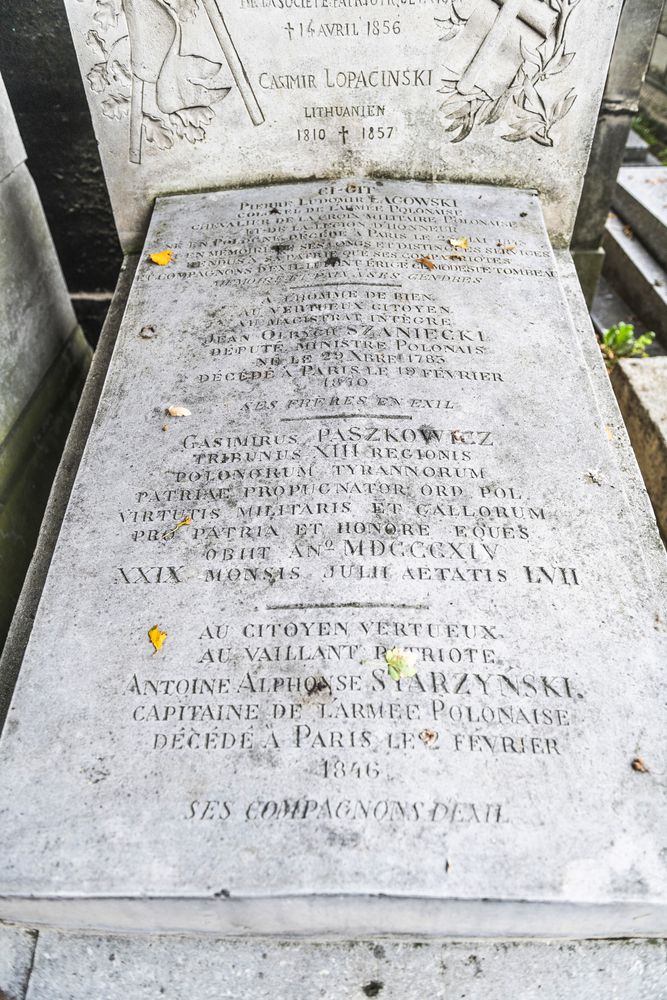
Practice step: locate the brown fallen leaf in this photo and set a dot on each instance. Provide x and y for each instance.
(172, 531)
(162, 257)
(157, 638)
(460, 242)
(178, 411)
(428, 737)
(454, 256)
(639, 765)
(627, 231)
(507, 247)
(165, 427)
(426, 262)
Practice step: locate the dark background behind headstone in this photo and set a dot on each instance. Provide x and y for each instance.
(41, 73)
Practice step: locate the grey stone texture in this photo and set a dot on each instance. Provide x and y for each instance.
(654, 92)
(636, 275)
(166, 821)
(43, 360)
(36, 316)
(283, 97)
(641, 390)
(137, 968)
(620, 104)
(17, 948)
(67, 466)
(640, 199)
(12, 152)
(636, 149)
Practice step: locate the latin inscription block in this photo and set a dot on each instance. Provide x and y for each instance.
(392, 443)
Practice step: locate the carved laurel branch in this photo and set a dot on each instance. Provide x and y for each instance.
(111, 76)
(523, 105)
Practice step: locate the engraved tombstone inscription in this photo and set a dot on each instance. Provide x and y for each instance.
(350, 632)
(201, 93)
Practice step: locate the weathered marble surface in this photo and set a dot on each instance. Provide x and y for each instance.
(16, 954)
(517, 739)
(641, 389)
(117, 968)
(12, 151)
(36, 315)
(322, 88)
(641, 201)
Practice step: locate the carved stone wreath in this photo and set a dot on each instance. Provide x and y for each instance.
(524, 105)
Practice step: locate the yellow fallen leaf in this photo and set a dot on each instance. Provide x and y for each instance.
(178, 411)
(172, 531)
(461, 242)
(157, 638)
(162, 257)
(609, 432)
(426, 262)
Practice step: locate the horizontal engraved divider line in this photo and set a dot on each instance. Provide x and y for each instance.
(348, 604)
(335, 284)
(349, 416)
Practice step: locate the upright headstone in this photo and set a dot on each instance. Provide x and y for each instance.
(194, 94)
(357, 598)
(43, 360)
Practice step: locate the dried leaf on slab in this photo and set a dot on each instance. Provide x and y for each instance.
(639, 765)
(454, 256)
(426, 262)
(162, 257)
(460, 242)
(178, 411)
(172, 531)
(506, 247)
(429, 737)
(157, 638)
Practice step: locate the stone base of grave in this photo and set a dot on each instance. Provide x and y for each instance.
(54, 966)
(641, 390)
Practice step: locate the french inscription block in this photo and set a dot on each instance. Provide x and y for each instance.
(196, 94)
(392, 444)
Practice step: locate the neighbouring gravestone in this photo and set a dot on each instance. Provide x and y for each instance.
(43, 360)
(376, 454)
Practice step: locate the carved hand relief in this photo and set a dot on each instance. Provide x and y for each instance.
(501, 57)
(165, 64)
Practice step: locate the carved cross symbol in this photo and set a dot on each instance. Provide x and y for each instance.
(535, 14)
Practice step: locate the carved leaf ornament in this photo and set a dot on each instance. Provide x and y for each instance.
(526, 106)
(141, 73)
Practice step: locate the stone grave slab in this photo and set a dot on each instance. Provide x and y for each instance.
(391, 451)
(72, 967)
(196, 94)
